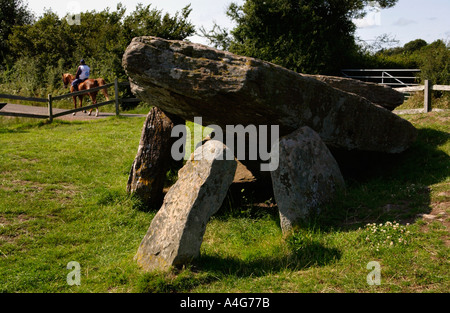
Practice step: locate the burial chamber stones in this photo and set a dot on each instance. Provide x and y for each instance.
(306, 179)
(191, 80)
(176, 232)
(183, 80)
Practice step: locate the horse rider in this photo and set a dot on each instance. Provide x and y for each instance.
(83, 73)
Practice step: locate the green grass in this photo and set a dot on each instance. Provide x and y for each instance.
(416, 101)
(63, 198)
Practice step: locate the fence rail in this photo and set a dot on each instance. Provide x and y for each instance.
(14, 97)
(82, 92)
(389, 77)
(50, 100)
(426, 88)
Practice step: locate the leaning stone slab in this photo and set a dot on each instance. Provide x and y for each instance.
(191, 80)
(307, 177)
(176, 232)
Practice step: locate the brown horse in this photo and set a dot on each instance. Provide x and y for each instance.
(86, 85)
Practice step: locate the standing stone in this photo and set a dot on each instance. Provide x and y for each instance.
(153, 159)
(307, 177)
(176, 232)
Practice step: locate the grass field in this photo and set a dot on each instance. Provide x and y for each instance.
(63, 198)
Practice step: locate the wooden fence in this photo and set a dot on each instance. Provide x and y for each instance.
(426, 88)
(50, 116)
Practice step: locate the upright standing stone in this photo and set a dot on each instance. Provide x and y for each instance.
(148, 172)
(176, 232)
(307, 177)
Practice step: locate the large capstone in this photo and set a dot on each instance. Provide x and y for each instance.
(192, 80)
(176, 232)
(381, 95)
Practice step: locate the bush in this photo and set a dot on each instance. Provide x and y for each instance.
(40, 52)
(433, 59)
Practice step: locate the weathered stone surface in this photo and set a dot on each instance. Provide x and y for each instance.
(225, 89)
(243, 175)
(382, 95)
(176, 232)
(307, 177)
(153, 159)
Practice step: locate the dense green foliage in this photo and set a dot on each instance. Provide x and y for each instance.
(310, 36)
(12, 13)
(433, 59)
(41, 51)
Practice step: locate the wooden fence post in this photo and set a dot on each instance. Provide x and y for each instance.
(427, 96)
(116, 94)
(50, 108)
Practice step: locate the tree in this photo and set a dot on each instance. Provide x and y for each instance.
(312, 36)
(12, 13)
(151, 22)
(414, 45)
(434, 62)
(52, 45)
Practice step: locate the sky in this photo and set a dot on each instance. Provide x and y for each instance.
(407, 20)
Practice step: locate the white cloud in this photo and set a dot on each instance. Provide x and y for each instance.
(372, 19)
(404, 22)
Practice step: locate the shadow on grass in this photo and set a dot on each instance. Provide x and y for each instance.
(208, 269)
(383, 187)
(312, 254)
(380, 187)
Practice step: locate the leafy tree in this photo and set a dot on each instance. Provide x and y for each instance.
(45, 39)
(313, 36)
(12, 13)
(433, 59)
(52, 45)
(434, 62)
(146, 21)
(414, 45)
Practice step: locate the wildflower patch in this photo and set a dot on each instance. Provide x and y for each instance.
(387, 235)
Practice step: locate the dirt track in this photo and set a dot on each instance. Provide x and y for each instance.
(80, 116)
